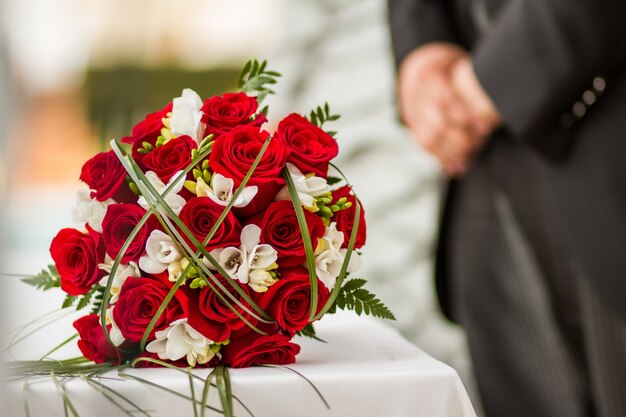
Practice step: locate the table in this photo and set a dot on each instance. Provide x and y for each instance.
(365, 369)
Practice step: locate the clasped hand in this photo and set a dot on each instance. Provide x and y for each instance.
(444, 106)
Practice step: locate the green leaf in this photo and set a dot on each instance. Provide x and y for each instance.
(69, 301)
(192, 390)
(85, 299)
(66, 400)
(254, 79)
(59, 346)
(222, 381)
(309, 331)
(317, 391)
(163, 388)
(150, 193)
(319, 116)
(97, 300)
(346, 261)
(354, 297)
(333, 180)
(46, 279)
(110, 393)
(306, 239)
(107, 291)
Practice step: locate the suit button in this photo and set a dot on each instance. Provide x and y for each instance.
(589, 97)
(579, 109)
(599, 84)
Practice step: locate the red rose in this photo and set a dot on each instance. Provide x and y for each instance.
(150, 128)
(222, 114)
(280, 229)
(139, 300)
(310, 148)
(255, 349)
(201, 213)
(233, 155)
(288, 301)
(105, 176)
(118, 223)
(76, 256)
(93, 344)
(345, 218)
(214, 319)
(167, 159)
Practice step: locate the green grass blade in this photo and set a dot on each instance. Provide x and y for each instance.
(66, 400)
(33, 321)
(25, 398)
(173, 233)
(166, 389)
(350, 248)
(317, 391)
(205, 393)
(103, 387)
(14, 341)
(107, 291)
(150, 193)
(109, 397)
(222, 380)
(59, 346)
(192, 390)
(306, 238)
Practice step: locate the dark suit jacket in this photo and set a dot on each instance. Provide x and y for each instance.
(556, 70)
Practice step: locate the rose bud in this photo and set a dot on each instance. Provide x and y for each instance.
(345, 217)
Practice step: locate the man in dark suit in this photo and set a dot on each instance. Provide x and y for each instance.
(524, 103)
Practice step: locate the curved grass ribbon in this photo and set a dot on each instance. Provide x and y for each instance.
(148, 191)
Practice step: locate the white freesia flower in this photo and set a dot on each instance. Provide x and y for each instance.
(161, 254)
(172, 198)
(222, 189)
(89, 210)
(114, 333)
(329, 257)
(180, 340)
(308, 187)
(123, 272)
(186, 116)
(261, 280)
(250, 256)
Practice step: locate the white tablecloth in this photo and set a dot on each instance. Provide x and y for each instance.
(365, 369)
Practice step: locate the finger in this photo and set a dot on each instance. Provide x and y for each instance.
(457, 111)
(445, 140)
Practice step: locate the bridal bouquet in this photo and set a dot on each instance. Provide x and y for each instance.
(207, 241)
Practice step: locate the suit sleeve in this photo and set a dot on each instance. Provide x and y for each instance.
(417, 22)
(540, 55)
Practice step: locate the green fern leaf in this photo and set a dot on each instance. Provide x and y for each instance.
(309, 331)
(48, 278)
(69, 301)
(354, 297)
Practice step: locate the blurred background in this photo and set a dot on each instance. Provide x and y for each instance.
(75, 73)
